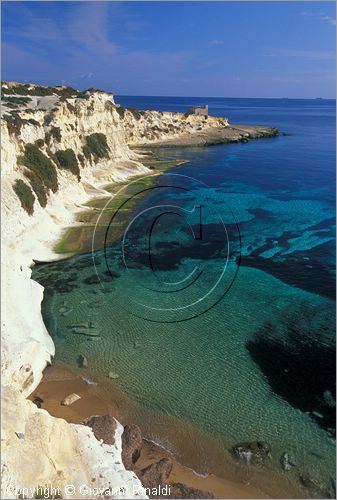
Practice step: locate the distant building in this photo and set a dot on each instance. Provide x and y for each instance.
(201, 111)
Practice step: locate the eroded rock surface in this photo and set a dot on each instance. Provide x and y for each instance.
(104, 427)
(255, 452)
(156, 474)
(131, 445)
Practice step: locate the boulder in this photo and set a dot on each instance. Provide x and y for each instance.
(38, 401)
(315, 486)
(156, 474)
(254, 452)
(103, 426)
(69, 400)
(131, 445)
(329, 399)
(287, 462)
(180, 490)
(82, 361)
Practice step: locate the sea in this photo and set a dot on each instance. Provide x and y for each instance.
(214, 309)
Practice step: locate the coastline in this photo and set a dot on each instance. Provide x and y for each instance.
(26, 354)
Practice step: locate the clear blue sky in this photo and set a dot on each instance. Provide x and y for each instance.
(234, 49)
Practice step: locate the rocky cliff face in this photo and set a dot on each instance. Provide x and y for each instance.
(62, 149)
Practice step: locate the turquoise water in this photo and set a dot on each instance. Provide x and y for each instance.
(224, 317)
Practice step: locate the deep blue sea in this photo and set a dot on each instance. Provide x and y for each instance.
(224, 318)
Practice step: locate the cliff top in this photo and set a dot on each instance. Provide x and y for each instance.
(29, 96)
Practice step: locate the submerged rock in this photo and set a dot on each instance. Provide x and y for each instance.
(113, 375)
(180, 490)
(88, 381)
(69, 400)
(329, 399)
(131, 445)
(315, 486)
(90, 332)
(155, 475)
(287, 462)
(65, 311)
(82, 361)
(79, 325)
(252, 452)
(103, 426)
(91, 280)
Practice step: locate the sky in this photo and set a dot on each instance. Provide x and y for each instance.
(220, 49)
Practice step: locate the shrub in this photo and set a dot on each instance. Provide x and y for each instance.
(121, 111)
(68, 161)
(56, 133)
(109, 106)
(81, 160)
(16, 100)
(97, 145)
(71, 107)
(26, 89)
(17, 89)
(87, 152)
(91, 90)
(41, 91)
(14, 123)
(37, 186)
(39, 143)
(136, 113)
(54, 158)
(32, 122)
(48, 118)
(25, 196)
(11, 105)
(42, 166)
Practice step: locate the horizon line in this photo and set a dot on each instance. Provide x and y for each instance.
(227, 97)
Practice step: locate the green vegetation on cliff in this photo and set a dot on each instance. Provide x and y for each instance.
(25, 195)
(14, 102)
(25, 89)
(96, 146)
(39, 163)
(37, 186)
(68, 161)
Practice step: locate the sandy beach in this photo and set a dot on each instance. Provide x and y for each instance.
(58, 382)
(102, 397)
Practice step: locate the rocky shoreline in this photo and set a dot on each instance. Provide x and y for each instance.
(214, 136)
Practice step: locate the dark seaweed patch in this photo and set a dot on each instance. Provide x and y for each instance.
(92, 280)
(300, 368)
(305, 270)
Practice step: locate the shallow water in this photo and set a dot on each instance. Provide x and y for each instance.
(224, 318)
